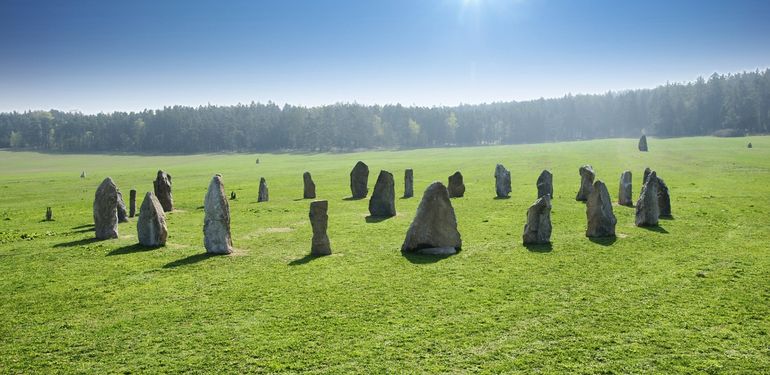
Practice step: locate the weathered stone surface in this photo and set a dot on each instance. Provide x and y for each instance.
(383, 200)
(106, 210)
(625, 191)
(456, 186)
(587, 176)
(122, 213)
(664, 200)
(647, 211)
(263, 194)
(434, 228)
(162, 188)
(643, 143)
(309, 191)
(502, 181)
(647, 172)
(319, 221)
(216, 224)
(359, 180)
(408, 183)
(601, 219)
(48, 214)
(537, 231)
(151, 226)
(131, 203)
(545, 184)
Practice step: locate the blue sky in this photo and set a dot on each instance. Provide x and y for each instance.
(95, 56)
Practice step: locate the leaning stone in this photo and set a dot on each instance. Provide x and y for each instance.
(537, 231)
(131, 203)
(151, 226)
(48, 214)
(122, 214)
(162, 188)
(502, 181)
(601, 219)
(434, 228)
(408, 183)
(456, 186)
(383, 200)
(359, 180)
(319, 221)
(545, 184)
(643, 143)
(664, 200)
(625, 190)
(309, 191)
(106, 210)
(263, 196)
(587, 176)
(647, 210)
(216, 224)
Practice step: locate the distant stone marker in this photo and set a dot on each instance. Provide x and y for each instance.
(83, 173)
(383, 200)
(132, 203)
(151, 226)
(601, 219)
(749, 145)
(587, 176)
(359, 180)
(456, 187)
(643, 143)
(263, 195)
(408, 183)
(319, 220)
(216, 223)
(309, 191)
(434, 228)
(122, 214)
(625, 192)
(233, 196)
(664, 200)
(537, 231)
(647, 210)
(162, 188)
(106, 210)
(48, 214)
(545, 184)
(502, 181)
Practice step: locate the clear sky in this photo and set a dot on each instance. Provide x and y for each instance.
(95, 56)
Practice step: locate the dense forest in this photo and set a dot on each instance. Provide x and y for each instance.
(740, 102)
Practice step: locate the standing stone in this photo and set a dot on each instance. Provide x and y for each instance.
(132, 203)
(434, 228)
(587, 176)
(456, 186)
(216, 224)
(625, 192)
(537, 231)
(309, 192)
(83, 173)
(647, 210)
(383, 200)
(749, 145)
(601, 219)
(48, 214)
(319, 221)
(106, 210)
(545, 184)
(151, 226)
(408, 183)
(664, 200)
(502, 181)
(643, 143)
(647, 172)
(262, 197)
(162, 187)
(122, 214)
(233, 196)
(359, 180)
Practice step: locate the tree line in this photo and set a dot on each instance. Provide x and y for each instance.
(739, 103)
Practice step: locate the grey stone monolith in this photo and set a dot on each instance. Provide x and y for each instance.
(647, 211)
(587, 176)
(106, 210)
(309, 186)
(537, 230)
(122, 212)
(319, 220)
(359, 180)
(601, 219)
(383, 200)
(502, 181)
(545, 184)
(263, 194)
(216, 223)
(151, 225)
(664, 200)
(625, 192)
(749, 145)
(131, 203)
(162, 188)
(48, 214)
(408, 183)
(646, 174)
(434, 228)
(643, 143)
(456, 187)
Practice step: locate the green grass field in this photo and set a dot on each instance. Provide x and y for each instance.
(691, 296)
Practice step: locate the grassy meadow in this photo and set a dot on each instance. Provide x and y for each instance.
(692, 296)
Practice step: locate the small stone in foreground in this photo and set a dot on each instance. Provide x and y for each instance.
(434, 228)
(408, 183)
(216, 223)
(151, 226)
(537, 231)
(664, 200)
(319, 220)
(131, 203)
(456, 186)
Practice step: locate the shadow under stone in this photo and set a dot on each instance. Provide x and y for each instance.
(304, 260)
(84, 226)
(81, 242)
(353, 199)
(604, 241)
(130, 249)
(501, 198)
(376, 219)
(192, 259)
(667, 217)
(656, 228)
(418, 258)
(539, 248)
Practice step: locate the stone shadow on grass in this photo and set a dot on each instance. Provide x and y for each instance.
(667, 217)
(417, 258)
(539, 248)
(376, 219)
(501, 198)
(604, 241)
(353, 199)
(656, 228)
(192, 259)
(304, 260)
(130, 249)
(84, 226)
(80, 242)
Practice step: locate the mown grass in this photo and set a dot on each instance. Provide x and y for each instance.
(691, 296)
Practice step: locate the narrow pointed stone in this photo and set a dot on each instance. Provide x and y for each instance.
(263, 194)
(587, 176)
(647, 211)
(122, 213)
(106, 210)
(434, 228)
(537, 231)
(216, 224)
(309, 186)
(601, 219)
(664, 200)
(151, 226)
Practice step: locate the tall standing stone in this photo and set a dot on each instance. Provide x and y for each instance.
(162, 185)
(309, 191)
(643, 143)
(537, 231)
(263, 196)
(48, 214)
(625, 197)
(664, 200)
(601, 219)
(647, 172)
(456, 186)
(545, 184)
(122, 213)
(434, 228)
(502, 181)
(587, 176)
(408, 183)
(319, 220)
(151, 226)
(132, 203)
(216, 223)
(359, 180)
(383, 200)
(647, 211)
(106, 210)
